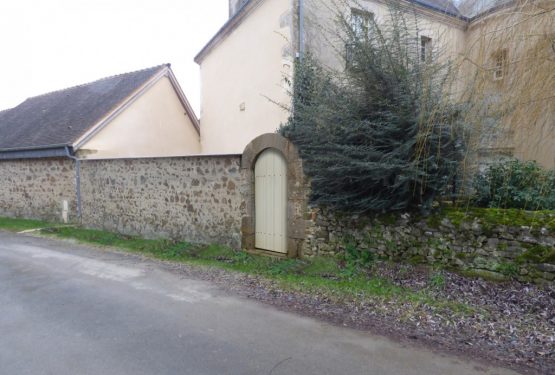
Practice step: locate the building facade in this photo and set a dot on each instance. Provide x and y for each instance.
(246, 69)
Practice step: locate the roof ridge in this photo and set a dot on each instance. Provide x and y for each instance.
(60, 117)
(157, 67)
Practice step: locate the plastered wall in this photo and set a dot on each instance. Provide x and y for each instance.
(155, 125)
(243, 80)
(323, 31)
(522, 108)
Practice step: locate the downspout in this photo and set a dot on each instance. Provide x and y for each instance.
(301, 30)
(77, 181)
(301, 48)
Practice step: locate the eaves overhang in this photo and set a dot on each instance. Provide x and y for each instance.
(227, 28)
(35, 152)
(250, 5)
(491, 10)
(425, 4)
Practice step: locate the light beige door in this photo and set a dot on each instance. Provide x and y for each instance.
(271, 201)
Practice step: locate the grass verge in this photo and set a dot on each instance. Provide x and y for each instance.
(328, 276)
(19, 225)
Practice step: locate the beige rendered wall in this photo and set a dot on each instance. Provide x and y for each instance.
(321, 28)
(155, 125)
(242, 78)
(521, 105)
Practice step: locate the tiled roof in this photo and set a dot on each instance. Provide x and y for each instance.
(60, 118)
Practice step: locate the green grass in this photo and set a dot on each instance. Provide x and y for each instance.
(329, 276)
(19, 225)
(437, 280)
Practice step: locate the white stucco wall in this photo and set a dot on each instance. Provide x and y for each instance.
(155, 125)
(242, 80)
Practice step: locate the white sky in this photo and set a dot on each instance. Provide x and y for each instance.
(47, 45)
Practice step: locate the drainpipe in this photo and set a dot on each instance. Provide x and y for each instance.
(300, 41)
(301, 29)
(77, 181)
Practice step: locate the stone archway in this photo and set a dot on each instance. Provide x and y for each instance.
(296, 192)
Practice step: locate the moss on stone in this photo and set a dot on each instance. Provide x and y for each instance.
(377, 232)
(491, 217)
(536, 254)
(507, 269)
(473, 239)
(488, 229)
(362, 222)
(388, 219)
(412, 242)
(417, 259)
(456, 217)
(434, 221)
(550, 257)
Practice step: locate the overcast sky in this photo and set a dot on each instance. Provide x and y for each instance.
(48, 45)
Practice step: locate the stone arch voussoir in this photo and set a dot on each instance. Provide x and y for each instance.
(296, 191)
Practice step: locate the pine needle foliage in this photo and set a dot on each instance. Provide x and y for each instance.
(382, 135)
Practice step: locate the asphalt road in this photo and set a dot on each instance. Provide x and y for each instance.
(70, 309)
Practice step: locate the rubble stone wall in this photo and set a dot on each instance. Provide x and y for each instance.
(196, 199)
(472, 245)
(37, 188)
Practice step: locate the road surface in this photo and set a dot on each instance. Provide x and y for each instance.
(71, 309)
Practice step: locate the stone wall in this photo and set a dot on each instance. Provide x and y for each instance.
(36, 189)
(472, 244)
(197, 199)
(202, 199)
(297, 191)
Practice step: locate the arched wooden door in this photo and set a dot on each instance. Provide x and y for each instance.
(271, 201)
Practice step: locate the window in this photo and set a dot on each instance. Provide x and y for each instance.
(361, 26)
(425, 49)
(361, 22)
(500, 65)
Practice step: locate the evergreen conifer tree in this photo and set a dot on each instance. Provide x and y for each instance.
(382, 135)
